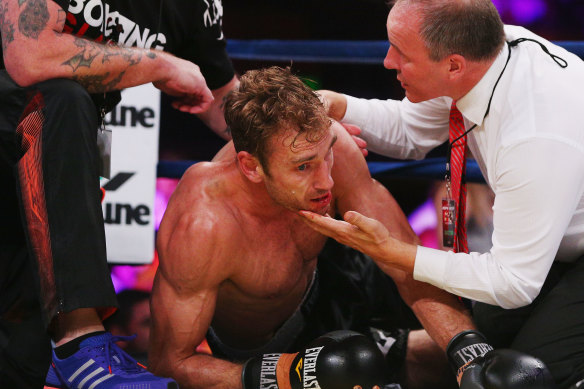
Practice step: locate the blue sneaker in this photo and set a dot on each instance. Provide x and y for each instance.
(101, 364)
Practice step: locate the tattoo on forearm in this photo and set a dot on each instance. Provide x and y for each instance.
(33, 19)
(90, 51)
(6, 28)
(96, 83)
(84, 58)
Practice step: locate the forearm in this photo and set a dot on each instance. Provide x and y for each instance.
(213, 117)
(181, 315)
(98, 67)
(441, 314)
(201, 371)
(379, 120)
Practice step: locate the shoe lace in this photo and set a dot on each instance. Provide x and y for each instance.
(126, 363)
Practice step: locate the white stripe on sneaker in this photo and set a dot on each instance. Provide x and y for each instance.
(89, 376)
(99, 381)
(78, 371)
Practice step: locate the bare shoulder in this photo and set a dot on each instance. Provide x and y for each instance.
(197, 228)
(203, 185)
(350, 169)
(345, 142)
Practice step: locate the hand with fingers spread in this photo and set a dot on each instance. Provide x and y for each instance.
(366, 235)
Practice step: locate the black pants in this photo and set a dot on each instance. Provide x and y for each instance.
(52, 239)
(551, 328)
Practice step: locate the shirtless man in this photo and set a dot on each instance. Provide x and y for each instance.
(238, 264)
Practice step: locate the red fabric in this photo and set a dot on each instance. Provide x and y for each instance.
(30, 171)
(457, 169)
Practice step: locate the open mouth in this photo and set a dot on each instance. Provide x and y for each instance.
(323, 200)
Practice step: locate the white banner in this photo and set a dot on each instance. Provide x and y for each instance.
(128, 207)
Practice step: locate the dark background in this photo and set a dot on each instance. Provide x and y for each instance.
(184, 137)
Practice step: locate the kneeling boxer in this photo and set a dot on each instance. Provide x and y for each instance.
(239, 266)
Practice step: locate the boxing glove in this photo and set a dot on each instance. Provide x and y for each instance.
(337, 360)
(478, 366)
(464, 348)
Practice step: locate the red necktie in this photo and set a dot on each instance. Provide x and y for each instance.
(458, 168)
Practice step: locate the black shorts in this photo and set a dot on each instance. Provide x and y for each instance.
(348, 292)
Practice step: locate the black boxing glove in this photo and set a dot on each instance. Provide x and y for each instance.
(478, 366)
(507, 369)
(337, 360)
(464, 348)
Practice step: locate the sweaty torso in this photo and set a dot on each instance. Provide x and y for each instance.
(278, 260)
(271, 259)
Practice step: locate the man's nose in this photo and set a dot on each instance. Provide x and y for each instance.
(390, 60)
(324, 179)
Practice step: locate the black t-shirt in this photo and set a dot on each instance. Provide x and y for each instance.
(189, 29)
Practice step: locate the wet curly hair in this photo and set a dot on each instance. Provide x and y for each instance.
(268, 102)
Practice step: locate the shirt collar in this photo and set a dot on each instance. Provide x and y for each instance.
(474, 104)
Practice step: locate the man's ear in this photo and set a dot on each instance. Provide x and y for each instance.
(250, 167)
(456, 66)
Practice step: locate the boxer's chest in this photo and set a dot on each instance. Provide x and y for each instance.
(276, 271)
(277, 258)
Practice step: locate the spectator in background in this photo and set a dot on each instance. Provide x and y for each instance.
(132, 318)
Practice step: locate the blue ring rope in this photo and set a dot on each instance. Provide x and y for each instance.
(326, 51)
(431, 168)
(349, 52)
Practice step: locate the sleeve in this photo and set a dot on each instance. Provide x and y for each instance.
(400, 129)
(206, 45)
(538, 185)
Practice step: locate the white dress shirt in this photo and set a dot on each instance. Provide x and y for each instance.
(530, 149)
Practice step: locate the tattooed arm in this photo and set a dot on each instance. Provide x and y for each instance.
(35, 49)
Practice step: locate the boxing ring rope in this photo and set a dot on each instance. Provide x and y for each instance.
(348, 52)
(427, 168)
(323, 51)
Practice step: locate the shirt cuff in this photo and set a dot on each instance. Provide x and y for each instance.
(430, 266)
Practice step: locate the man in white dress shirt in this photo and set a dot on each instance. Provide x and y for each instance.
(522, 101)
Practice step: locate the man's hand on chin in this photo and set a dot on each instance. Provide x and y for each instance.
(366, 235)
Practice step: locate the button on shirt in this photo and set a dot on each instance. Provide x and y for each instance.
(530, 149)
